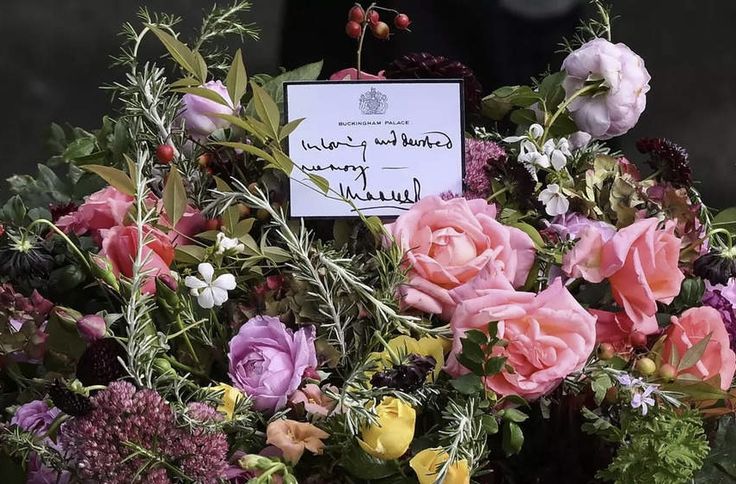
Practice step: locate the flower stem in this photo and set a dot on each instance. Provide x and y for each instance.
(60, 233)
(187, 341)
(562, 107)
(497, 193)
(176, 363)
(362, 38)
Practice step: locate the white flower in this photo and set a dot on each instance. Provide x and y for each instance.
(558, 152)
(210, 293)
(227, 244)
(536, 131)
(555, 202)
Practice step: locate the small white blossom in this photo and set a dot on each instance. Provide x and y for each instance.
(555, 202)
(558, 152)
(210, 293)
(227, 244)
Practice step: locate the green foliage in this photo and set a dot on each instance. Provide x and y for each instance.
(664, 447)
(720, 466)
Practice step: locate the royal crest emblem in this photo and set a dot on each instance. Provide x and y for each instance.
(373, 102)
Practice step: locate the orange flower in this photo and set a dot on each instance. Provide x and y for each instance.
(292, 437)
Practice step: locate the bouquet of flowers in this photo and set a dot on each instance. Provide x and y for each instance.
(569, 317)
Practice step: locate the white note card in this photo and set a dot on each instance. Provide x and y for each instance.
(383, 145)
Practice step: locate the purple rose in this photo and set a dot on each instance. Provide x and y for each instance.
(198, 111)
(35, 417)
(267, 360)
(617, 110)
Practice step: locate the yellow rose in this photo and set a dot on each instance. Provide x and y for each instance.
(428, 462)
(405, 345)
(390, 437)
(230, 397)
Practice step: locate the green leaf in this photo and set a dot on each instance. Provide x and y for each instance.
(174, 196)
(79, 148)
(114, 177)
(179, 52)
(254, 150)
(489, 424)
(513, 438)
(237, 78)
(205, 93)
(523, 117)
(230, 219)
(476, 336)
(467, 384)
(221, 184)
(551, 91)
(498, 104)
(267, 109)
(693, 354)
(275, 86)
(187, 81)
(283, 162)
(289, 128)
(320, 182)
(189, 254)
(514, 415)
(726, 219)
(600, 385)
(201, 66)
(375, 225)
(494, 365)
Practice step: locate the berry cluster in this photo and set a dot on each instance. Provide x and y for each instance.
(359, 20)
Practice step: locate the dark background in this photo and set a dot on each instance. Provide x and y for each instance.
(54, 55)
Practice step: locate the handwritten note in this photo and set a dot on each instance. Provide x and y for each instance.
(382, 145)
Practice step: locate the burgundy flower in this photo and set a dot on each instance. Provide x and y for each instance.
(670, 159)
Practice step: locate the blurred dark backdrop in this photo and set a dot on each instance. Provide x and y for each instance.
(54, 56)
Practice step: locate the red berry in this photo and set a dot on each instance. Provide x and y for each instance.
(357, 14)
(353, 29)
(381, 30)
(373, 17)
(402, 21)
(165, 153)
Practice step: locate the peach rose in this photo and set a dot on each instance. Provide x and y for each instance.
(451, 243)
(640, 262)
(120, 245)
(691, 327)
(292, 437)
(315, 401)
(101, 210)
(549, 336)
(647, 271)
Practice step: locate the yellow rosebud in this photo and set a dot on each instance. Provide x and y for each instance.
(427, 463)
(390, 437)
(405, 345)
(230, 397)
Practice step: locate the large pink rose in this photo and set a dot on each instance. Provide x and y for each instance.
(690, 328)
(120, 245)
(451, 243)
(640, 262)
(647, 261)
(101, 210)
(549, 336)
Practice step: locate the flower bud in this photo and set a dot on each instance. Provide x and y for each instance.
(92, 327)
(667, 372)
(102, 269)
(646, 366)
(67, 316)
(606, 351)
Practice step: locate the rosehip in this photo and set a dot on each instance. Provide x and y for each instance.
(638, 340)
(357, 14)
(204, 159)
(212, 224)
(244, 210)
(381, 30)
(402, 21)
(646, 366)
(606, 351)
(373, 17)
(667, 372)
(165, 154)
(353, 29)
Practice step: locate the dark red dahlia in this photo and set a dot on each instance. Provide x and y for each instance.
(427, 66)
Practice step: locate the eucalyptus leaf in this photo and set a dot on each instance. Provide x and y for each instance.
(116, 178)
(205, 93)
(237, 78)
(266, 109)
(179, 52)
(174, 196)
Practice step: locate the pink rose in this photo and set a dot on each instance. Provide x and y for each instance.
(690, 328)
(120, 245)
(615, 328)
(452, 243)
(642, 261)
(614, 112)
(101, 210)
(191, 223)
(351, 74)
(549, 336)
(199, 113)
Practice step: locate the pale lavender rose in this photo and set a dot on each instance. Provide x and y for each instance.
(617, 110)
(268, 360)
(570, 225)
(198, 113)
(35, 417)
